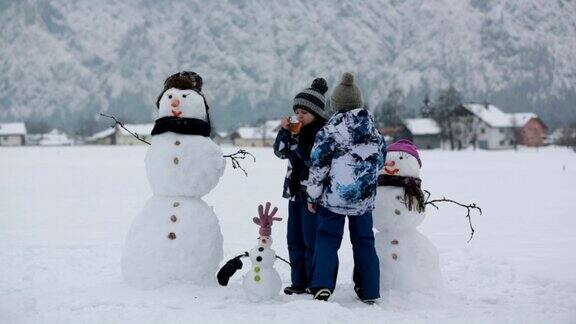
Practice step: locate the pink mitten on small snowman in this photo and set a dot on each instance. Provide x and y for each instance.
(265, 219)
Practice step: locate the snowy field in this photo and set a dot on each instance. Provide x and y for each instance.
(64, 213)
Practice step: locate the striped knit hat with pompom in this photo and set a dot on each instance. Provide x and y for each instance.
(312, 99)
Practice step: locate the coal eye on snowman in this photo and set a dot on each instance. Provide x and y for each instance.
(184, 95)
(169, 96)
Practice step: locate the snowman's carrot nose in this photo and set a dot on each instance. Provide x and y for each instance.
(175, 103)
(390, 164)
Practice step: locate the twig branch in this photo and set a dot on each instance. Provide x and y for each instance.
(117, 122)
(235, 157)
(468, 207)
(289, 264)
(240, 155)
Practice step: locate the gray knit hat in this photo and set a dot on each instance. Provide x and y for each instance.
(312, 99)
(346, 95)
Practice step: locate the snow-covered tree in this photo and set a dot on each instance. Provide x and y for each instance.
(568, 137)
(443, 112)
(390, 111)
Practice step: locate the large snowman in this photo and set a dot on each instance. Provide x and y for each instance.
(408, 260)
(177, 237)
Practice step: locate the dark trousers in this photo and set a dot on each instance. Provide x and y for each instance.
(301, 237)
(328, 238)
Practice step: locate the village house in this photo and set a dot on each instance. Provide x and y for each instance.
(531, 130)
(12, 134)
(394, 133)
(256, 136)
(55, 137)
(424, 132)
(221, 138)
(487, 127)
(118, 136)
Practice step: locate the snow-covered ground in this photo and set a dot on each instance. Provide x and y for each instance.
(65, 211)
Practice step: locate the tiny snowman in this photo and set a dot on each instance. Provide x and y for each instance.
(262, 282)
(408, 260)
(177, 237)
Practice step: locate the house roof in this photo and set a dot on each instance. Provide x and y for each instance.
(422, 126)
(269, 130)
(390, 130)
(255, 132)
(102, 134)
(55, 137)
(222, 134)
(521, 119)
(273, 124)
(495, 117)
(490, 114)
(12, 129)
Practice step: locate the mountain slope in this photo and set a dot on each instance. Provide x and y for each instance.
(66, 61)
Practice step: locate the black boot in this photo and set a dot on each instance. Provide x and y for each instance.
(322, 294)
(358, 292)
(295, 290)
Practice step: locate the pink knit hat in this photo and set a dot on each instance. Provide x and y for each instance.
(405, 146)
(265, 219)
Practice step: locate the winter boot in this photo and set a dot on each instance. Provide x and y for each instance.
(295, 290)
(322, 294)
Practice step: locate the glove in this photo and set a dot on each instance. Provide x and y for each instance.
(228, 270)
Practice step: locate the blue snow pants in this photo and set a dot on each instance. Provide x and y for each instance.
(301, 237)
(328, 238)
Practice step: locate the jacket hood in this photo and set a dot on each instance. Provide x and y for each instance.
(353, 126)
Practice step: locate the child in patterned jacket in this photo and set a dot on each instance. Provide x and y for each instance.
(309, 106)
(345, 159)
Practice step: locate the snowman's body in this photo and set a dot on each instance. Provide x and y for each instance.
(183, 165)
(262, 281)
(408, 260)
(177, 236)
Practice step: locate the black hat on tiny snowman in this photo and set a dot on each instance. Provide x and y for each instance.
(182, 107)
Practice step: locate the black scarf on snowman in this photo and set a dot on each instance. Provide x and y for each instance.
(413, 194)
(185, 126)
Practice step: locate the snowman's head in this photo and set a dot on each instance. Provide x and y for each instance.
(265, 241)
(187, 103)
(402, 159)
(182, 97)
(399, 163)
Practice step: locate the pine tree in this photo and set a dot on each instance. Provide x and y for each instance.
(568, 136)
(426, 109)
(389, 113)
(443, 112)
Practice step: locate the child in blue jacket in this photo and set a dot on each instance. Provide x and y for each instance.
(345, 159)
(309, 106)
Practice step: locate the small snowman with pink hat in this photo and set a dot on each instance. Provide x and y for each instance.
(262, 281)
(408, 260)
